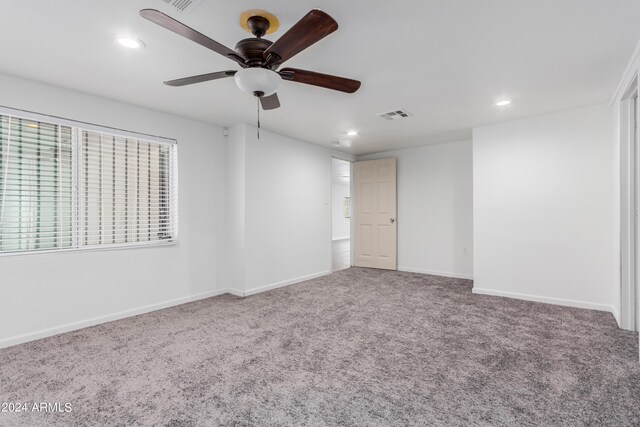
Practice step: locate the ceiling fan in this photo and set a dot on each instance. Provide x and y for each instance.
(261, 58)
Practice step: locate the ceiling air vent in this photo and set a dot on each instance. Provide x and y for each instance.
(395, 115)
(183, 5)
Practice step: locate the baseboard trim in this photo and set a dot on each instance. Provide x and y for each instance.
(73, 326)
(234, 292)
(436, 273)
(616, 315)
(547, 300)
(285, 283)
(335, 239)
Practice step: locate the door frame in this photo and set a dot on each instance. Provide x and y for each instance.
(351, 160)
(629, 205)
(354, 202)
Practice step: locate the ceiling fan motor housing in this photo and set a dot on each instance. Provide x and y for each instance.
(252, 51)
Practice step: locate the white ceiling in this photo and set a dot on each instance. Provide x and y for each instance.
(445, 61)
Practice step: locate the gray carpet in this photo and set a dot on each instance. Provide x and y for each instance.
(358, 347)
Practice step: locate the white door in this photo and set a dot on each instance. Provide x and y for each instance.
(375, 232)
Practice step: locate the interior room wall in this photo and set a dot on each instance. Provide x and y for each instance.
(435, 208)
(44, 294)
(288, 216)
(543, 213)
(236, 242)
(279, 217)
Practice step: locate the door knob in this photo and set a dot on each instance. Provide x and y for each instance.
(392, 220)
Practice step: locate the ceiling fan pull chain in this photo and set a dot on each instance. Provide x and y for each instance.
(258, 99)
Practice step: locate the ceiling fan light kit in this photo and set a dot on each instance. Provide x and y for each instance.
(258, 81)
(259, 58)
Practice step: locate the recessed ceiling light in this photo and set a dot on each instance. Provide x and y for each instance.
(352, 133)
(130, 42)
(504, 102)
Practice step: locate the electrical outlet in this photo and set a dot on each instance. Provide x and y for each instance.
(466, 251)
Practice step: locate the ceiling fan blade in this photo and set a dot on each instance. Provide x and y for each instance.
(179, 28)
(323, 80)
(313, 27)
(200, 78)
(270, 102)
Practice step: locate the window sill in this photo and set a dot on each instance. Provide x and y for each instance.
(135, 246)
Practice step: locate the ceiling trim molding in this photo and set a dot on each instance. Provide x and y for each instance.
(340, 155)
(630, 73)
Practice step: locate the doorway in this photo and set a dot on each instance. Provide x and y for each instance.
(340, 214)
(375, 237)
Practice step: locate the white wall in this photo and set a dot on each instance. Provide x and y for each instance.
(543, 212)
(288, 216)
(340, 226)
(435, 208)
(41, 294)
(279, 213)
(236, 242)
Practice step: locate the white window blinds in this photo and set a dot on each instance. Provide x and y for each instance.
(126, 190)
(63, 187)
(36, 186)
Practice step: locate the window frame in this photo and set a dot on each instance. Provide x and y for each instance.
(77, 128)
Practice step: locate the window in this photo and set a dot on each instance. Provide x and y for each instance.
(125, 190)
(346, 207)
(36, 185)
(66, 187)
